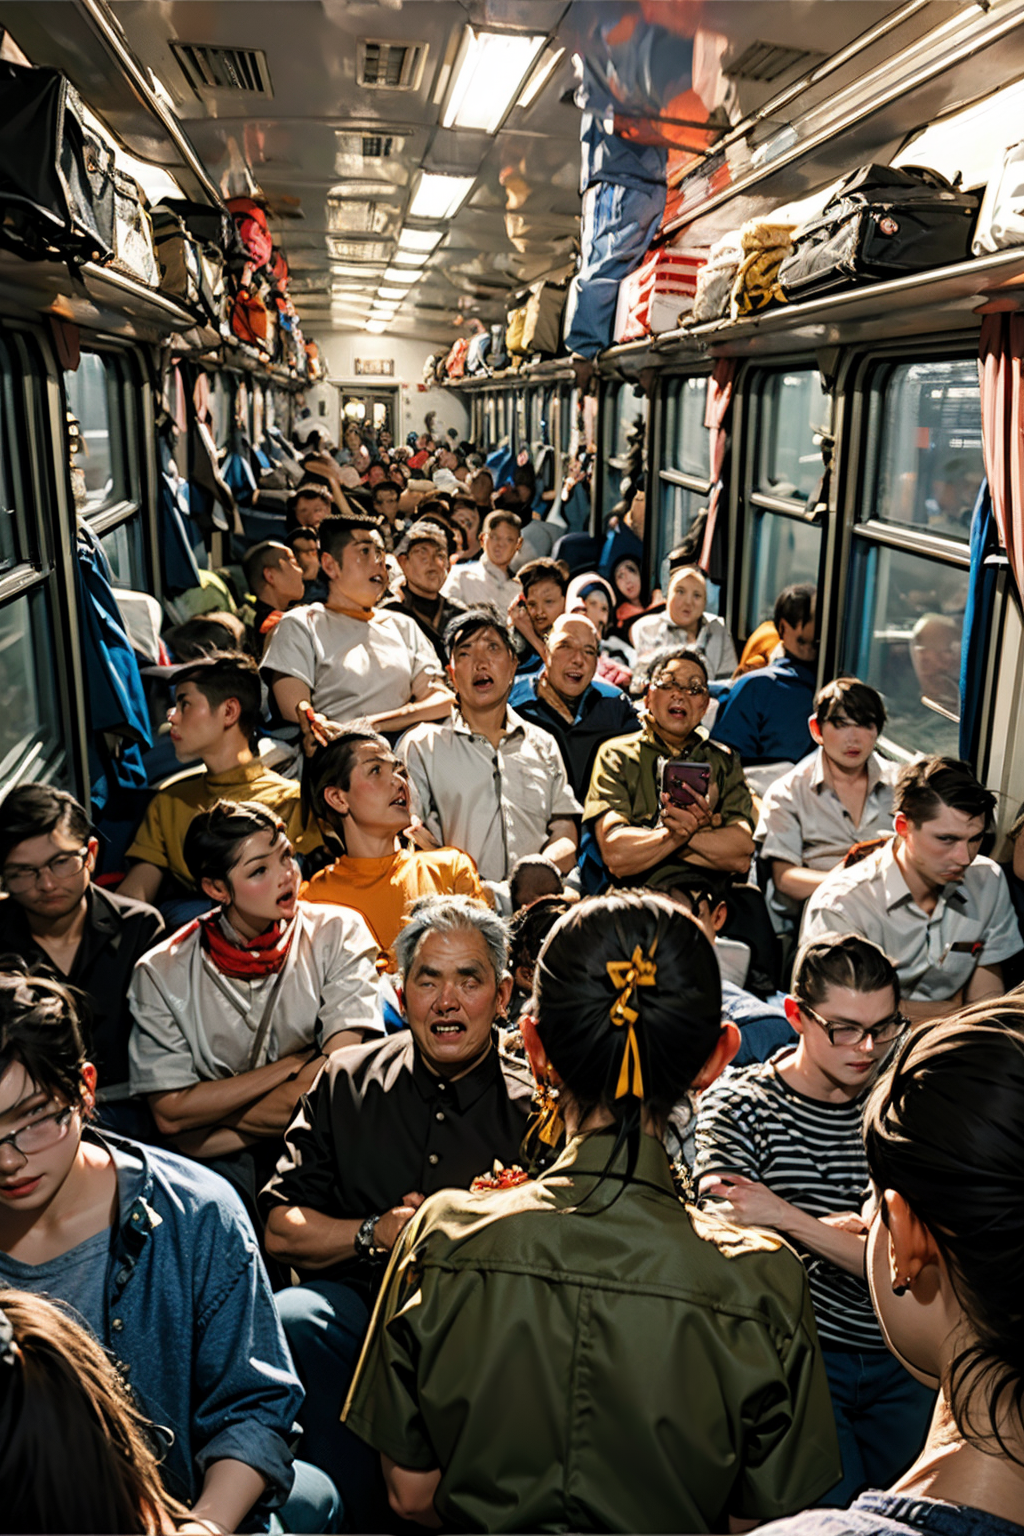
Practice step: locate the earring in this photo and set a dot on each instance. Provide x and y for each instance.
(548, 1126)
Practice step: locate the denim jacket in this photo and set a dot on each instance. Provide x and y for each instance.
(192, 1322)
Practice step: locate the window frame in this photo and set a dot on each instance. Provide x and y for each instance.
(669, 479)
(861, 460)
(755, 504)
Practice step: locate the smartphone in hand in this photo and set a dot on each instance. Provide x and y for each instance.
(682, 782)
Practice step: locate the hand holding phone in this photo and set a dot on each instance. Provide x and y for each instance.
(683, 782)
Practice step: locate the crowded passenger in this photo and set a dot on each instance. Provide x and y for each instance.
(645, 830)
(235, 1013)
(487, 781)
(566, 699)
(423, 560)
(346, 658)
(592, 595)
(57, 921)
(277, 582)
(468, 514)
(929, 898)
(763, 716)
(942, 1131)
(533, 877)
(488, 579)
(577, 1410)
(215, 718)
(360, 793)
(684, 621)
(310, 504)
(839, 795)
(155, 1255)
(304, 544)
(544, 584)
(779, 1145)
(386, 1125)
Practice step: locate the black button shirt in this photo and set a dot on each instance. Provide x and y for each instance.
(118, 931)
(377, 1124)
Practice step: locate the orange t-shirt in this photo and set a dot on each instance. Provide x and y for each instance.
(384, 889)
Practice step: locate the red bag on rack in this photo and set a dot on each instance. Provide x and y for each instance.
(652, 298)
(251, 223)
(249, 319)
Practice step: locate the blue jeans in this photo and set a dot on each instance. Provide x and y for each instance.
(325, 1322)
(882, 1416)
(313, 1506)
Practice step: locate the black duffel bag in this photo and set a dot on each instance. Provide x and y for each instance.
(56, 177)
(882, 223)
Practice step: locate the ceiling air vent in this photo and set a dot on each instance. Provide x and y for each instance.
(207, 68)
(390, 66)
(377, 146)
(767, 61)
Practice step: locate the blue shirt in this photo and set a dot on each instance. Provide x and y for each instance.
(190, 1318)
(603, 711)
(764, 715)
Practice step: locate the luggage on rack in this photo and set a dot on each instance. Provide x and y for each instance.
(455, 363)
(178, 257)
(134, 247)
(882, 223)
(654, 297)
(1001, 220)
(713, 288)
(542, 325)
(56, 176)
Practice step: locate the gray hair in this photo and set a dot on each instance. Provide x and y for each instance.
(448, 914)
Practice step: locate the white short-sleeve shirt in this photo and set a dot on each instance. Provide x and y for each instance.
(352, 666)
(495, 803)
(803, 821)
(193, 1024)
(655, 631)
(935, 955)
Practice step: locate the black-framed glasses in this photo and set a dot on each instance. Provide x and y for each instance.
(668, 684)
(39, 1135)
(61, 867)
(884, 1031)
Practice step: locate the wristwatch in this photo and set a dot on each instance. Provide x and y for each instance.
(365, 1244)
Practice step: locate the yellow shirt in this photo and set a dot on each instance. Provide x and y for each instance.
(384, 889)
(161, 837)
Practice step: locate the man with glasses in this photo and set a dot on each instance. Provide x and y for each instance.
(779, 1145)
(644, 836)
(59, 923)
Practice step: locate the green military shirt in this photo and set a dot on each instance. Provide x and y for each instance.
(640, 1367)
(625, 779)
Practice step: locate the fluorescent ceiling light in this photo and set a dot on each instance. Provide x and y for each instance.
(385, 307)
(491, 68)
(439, 197)
(419, 239)
(540, 77)
(392, 293)
(375, 327)
(409, 259)
(343, 269)
(400, 279)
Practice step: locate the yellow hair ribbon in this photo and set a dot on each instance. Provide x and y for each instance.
(626, 975)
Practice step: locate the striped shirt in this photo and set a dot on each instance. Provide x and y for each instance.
(811, 1154)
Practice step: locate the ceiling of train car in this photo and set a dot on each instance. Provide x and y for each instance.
(334, 109)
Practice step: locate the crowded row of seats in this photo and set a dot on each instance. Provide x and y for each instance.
(488, 867)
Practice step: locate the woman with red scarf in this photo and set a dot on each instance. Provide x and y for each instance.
(235, 1012)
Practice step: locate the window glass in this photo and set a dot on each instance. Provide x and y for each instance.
(220, 409)
(907, 642)
(10, 551)
(927, 423)
(793, 408)
(678, 509)
(686, 437)
(96, 401)
(785, 550)
(123, 548)
(625, 425)
(29, 709)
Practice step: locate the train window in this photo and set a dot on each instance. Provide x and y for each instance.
(625, 419)
(221, 405)
(11, 540)
(793, 409)
(96, 398)
(926, 419)
(123, 548)
(686, 437)
(29, 712)
(903, 637)
(786, 550)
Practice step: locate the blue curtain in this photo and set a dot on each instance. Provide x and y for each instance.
(978, 614)
(115, 700)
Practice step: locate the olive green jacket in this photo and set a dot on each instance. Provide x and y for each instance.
(571, 1362)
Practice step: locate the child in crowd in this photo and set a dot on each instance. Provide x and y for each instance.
(545, 583)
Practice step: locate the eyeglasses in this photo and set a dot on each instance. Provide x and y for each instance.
(667, 683)
(39, 1135)
(61, 867)
(852, 1034)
